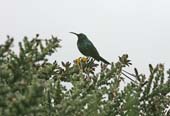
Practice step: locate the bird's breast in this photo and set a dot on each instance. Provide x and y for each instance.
(83, 47)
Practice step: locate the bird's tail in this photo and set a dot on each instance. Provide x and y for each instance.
(103, 60)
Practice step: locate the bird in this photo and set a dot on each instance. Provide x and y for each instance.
(87, 48)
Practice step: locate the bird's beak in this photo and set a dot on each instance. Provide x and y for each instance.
(74, 33)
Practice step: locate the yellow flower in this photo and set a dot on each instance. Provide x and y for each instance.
(78, 60)
(84, 59)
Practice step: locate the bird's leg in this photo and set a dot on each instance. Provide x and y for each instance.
(89, 58)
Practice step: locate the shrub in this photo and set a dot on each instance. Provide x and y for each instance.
(30, 85)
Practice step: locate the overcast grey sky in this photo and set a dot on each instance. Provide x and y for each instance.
(140, 28)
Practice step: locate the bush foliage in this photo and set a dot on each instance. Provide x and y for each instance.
(30, 85)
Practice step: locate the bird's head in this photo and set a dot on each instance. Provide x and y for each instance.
(80, 35)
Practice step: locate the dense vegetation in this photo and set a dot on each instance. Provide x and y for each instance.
(31, 85)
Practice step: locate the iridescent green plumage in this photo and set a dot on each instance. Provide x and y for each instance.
(87, 48)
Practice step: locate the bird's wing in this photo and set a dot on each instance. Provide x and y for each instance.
(90, 50)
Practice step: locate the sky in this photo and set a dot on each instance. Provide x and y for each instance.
(139, 28)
